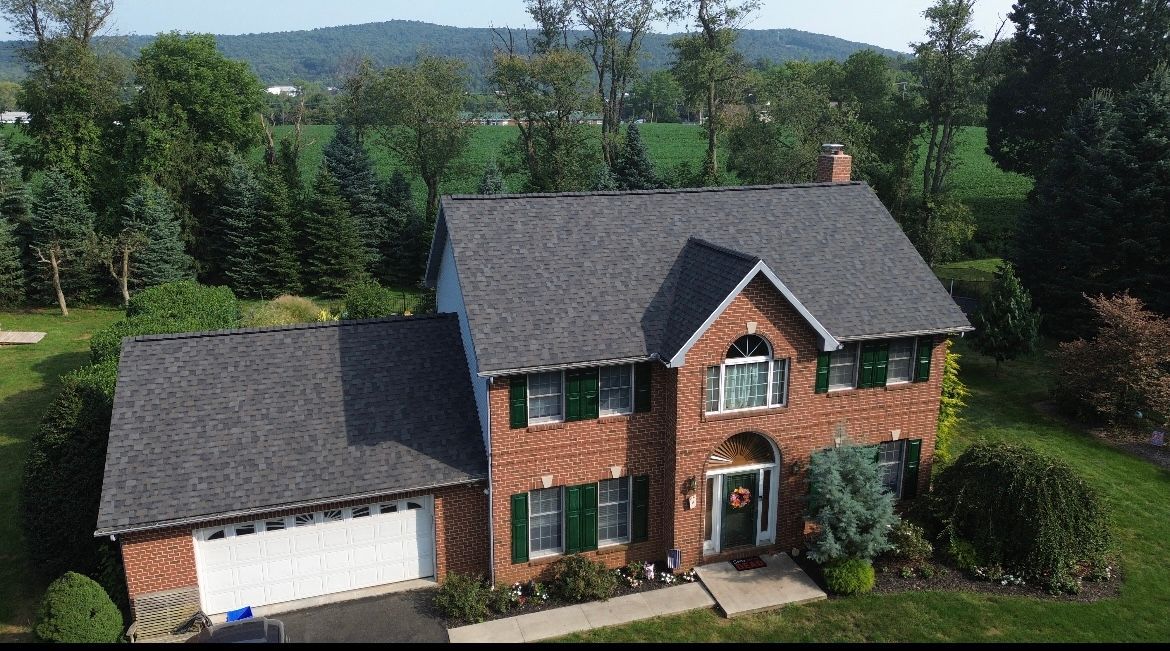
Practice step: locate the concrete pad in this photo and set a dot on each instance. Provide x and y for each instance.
(780, 583)
(499, 631)
(619, 610)
(678, 599)
(552, 623)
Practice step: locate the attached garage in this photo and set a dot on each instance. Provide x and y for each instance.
(314, 554)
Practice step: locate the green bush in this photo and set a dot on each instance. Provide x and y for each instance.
(1025, 511)
(284, 310)
(849, 576)
(208, 308)
(63, 473)
(846, 500)
(500, 599)
(577, 578)
(909, 542)
(962, 554)
(370, 300)
(463, 597)
(77, 609)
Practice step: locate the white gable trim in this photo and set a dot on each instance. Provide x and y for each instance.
(828, 342)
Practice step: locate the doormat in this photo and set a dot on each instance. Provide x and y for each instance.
(749, 563)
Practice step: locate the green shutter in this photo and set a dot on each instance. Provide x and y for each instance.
(922, 367)
(589, 379)
(823, 372)
(588, 516)
(865, 377)
(572, 519)
(520, 528)
(910, 469)
(518, 402)
(573, 395)
(881, 363)
(642, 387)
(640, 509)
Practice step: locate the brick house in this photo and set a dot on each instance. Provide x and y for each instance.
(624, 375)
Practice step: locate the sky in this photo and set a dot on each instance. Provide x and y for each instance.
(891, 24)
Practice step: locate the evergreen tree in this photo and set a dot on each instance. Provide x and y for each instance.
(150, 213)
(1006, 326)
(397, 245)
(59, 228)
(332, 262)
(492, 182)
(848, 502)
(603, 180)
(11, 270)
(1068, 234)
(349, 163)
(258, 236)
(634, 170)
(275, 255)
(231, 239)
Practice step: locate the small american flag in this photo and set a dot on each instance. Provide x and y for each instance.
(673, 558)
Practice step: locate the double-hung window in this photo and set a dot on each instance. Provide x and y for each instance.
(613, 511)
(890, 458)
(900, 367)
(544, 525)
(616, 393)
(748, 378)
(843, 368)
(545, 398)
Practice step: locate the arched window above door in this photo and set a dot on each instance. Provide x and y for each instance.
(749, 378)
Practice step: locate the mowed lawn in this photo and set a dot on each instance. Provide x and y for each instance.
(29, 378)
(1000, 408)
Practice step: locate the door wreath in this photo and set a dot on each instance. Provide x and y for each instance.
(740, 497)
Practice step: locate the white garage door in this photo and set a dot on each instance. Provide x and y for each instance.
(313, 554)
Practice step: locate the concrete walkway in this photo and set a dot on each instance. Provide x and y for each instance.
(780, 583)
(583, 617)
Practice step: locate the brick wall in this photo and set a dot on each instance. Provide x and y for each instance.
(834, 168)
(165, 559)
(674, 440)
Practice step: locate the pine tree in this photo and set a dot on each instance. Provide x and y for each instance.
(349, 163)
(275, 256)
(848, 502)
(398, 246)
(633, 169)
(333, 243)
(11, 270)
(1006, 326)
(603, 180)
(150, 213)
(492, 182)
(59, 228)
(235, 219)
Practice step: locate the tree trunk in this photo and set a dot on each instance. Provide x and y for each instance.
(55, 266)
(711, 165)
(930, 153)
(432, 198)
(124, 281)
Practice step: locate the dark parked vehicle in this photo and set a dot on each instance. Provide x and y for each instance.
(255, 629)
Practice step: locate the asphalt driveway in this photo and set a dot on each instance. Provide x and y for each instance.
(398, 617)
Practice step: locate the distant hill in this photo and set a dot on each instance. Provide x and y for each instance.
(314, 55)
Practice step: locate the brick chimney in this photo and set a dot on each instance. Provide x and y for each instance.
(833, 165)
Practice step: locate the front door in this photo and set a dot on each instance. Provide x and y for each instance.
(739, 518)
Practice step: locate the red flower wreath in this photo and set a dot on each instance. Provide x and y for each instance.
(740, 497)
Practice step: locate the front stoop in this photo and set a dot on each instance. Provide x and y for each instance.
(583, 617)
(780, 583)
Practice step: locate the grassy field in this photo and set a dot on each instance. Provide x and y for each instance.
(29, 378)
(982, 270)
(1001, 408)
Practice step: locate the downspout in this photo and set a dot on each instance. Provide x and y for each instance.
(491, 497)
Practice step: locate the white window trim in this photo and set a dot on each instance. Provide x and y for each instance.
(913, 358)
(603, 413)
(560, 521)
(629, 516)
(901, 464)
(766, 537)
(856, 368)
(768, 404)
(543, 420)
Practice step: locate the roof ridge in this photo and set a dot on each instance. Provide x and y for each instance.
(606, 193)
(312, 325)
(723, 249)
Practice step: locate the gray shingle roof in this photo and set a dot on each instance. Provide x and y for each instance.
(207, 424)
(554, 279)
(706, 275)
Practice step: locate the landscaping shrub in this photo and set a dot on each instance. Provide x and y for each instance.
(284, 310)
(463, 597)
(852, 512)
(577, 578)
(1022, 510)
(909, 542)
(63, 473)
(849, 576)
(370, 300)
(208, 308)
(951, 405)
(501, 598)
(77, 609)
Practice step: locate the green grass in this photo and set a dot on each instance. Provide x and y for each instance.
(997, 198)
(29, 378)
(978, 270)
(1000, 408)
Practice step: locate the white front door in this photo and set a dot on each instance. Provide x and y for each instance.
(312, 554)
(765, 492)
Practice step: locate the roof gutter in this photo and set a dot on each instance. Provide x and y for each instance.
(912, 333)
(239, 513)
(559, 367)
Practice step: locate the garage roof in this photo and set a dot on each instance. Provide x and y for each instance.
(218, 424)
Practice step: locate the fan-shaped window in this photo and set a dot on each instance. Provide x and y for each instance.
(332, 515)
(749, 378)
(304, 519)
(743, 449)
(218, 534)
